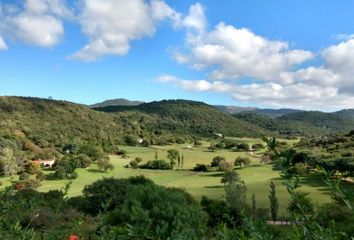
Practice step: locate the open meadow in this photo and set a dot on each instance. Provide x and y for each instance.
(257, 176)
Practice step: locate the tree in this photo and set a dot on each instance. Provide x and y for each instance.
(216, 160)
(272, 144)
(104, 165)
(8, 165)
(274, 205)
(241, 161)
(182, 161)
(230, 177)
(236, 193)
(172, 155)
(225, 166)
(156, 155)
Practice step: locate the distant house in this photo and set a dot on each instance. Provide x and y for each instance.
(46, 163)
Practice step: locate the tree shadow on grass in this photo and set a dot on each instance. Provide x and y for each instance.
(94, 171)
(218, 174)
(51, 176)
(215, 186)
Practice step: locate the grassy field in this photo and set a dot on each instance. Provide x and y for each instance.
(256, 176)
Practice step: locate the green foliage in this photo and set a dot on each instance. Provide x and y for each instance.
(274, 204)
(219, 212)
(235, 190)
(242, 161)
(105, 165)
(157, 164)
(200, 168)
(225, 166)
(216, 160)
(133, 164)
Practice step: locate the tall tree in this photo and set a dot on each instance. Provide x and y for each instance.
(172, 155)
(8, 164)
(235, 191)
(274, 205)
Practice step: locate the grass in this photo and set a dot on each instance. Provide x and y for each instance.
(257, 176)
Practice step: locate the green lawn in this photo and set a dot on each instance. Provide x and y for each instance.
(256, 176)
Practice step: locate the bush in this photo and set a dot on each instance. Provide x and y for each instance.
(243, 147)
(133, 164)
(24, 176)
(138, 159)
(82, 161)
(220, 213)
(225, 166)
(257, 146)
(153, 210)
(241, 161)
(220, 145)
(300, 169)
(200, 168)
(157, 164)
(216, 160)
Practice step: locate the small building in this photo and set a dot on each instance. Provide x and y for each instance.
(46, 163)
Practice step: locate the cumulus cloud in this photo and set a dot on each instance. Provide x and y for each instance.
(111, 25)
(35, 22)
(256, 70)
(240, 53)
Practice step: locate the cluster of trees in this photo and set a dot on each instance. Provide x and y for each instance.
(174, 156)
(219, 163)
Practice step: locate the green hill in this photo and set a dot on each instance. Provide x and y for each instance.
(189, 117)
(116, 102)
(341, 121)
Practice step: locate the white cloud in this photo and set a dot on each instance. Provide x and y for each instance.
(36, 22)
(195, 19)
(240, 53)
(111, 25)
(3, 45)
(272, 73)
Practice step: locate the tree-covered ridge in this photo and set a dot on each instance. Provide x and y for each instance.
(281, 126)
(342, 121)
(189, 117)
(52, 123)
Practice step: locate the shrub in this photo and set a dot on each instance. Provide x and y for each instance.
(24, 176)
(200, 168)
(138, 159)
(257, 146)
(83, 161)
(241, 161)
(40, 176)
(133, 164)
(225, 166)
(243, 147)
(216, 160)
(104, 165)
(300, 169)
(220, 145)
(157, 164)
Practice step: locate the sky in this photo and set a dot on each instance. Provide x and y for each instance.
(269, 54)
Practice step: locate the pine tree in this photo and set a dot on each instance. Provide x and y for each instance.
(156, 155)
(274, 205)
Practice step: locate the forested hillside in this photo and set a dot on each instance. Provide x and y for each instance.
(189, 117)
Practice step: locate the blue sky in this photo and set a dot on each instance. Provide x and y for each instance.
(318, 34)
